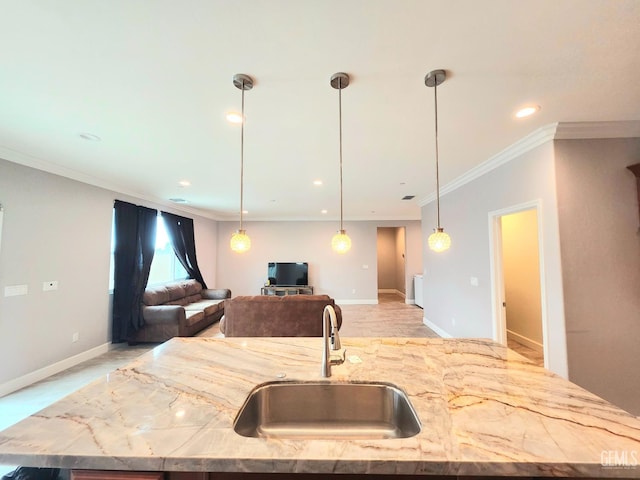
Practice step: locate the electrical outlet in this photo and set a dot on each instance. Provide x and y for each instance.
(353, 291)
(75, 337)
(474, 281)
(47, 286)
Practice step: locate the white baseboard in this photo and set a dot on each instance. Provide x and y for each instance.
(44, 372)
(527, 342)
(395, 291)
(436, 328)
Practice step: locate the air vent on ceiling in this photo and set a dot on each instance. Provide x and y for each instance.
(408, 197)
(178, 200)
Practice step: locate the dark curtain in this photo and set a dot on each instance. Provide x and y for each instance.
(180, 232)
(135, 238)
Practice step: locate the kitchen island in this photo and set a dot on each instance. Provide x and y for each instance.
(483, 409)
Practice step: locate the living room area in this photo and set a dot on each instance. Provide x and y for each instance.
(55, 329)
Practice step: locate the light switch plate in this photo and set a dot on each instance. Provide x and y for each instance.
(15, 290)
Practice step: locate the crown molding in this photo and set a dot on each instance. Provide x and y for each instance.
(584, 130)
(27, 160)
(548, 133)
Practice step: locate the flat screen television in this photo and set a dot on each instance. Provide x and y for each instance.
(287, 274)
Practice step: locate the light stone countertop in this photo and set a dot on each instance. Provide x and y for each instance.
(484, 410)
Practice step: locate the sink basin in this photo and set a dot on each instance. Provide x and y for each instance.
(323, 410)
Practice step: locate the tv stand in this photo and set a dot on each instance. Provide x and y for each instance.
(281, 291)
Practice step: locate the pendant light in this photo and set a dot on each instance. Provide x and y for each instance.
(439, 241)
(340, 243)
(240, 241)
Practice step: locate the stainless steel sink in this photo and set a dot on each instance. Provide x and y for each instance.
(323, 410)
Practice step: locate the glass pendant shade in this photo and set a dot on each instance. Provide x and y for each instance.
(240, 241)
(341, 243)
(439, 241)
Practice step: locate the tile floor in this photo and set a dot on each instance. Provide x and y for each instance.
(529, 353)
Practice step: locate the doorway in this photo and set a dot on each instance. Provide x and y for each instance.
(519, 320)
(391, 249)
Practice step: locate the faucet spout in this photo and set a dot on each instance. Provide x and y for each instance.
(330, 340)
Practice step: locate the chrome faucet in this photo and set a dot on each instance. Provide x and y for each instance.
(330, 340)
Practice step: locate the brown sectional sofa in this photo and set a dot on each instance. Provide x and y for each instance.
(275, 316)
(179, 309)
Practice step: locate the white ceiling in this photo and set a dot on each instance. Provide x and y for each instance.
(153, 79)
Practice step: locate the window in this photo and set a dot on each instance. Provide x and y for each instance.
(165, 266)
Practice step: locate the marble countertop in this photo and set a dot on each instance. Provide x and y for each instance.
(484, 410)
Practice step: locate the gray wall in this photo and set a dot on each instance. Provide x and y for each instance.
(60, 229)
(600, 241)
(344, 277)
(451, 304)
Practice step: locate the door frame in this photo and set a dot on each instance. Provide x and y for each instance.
(498, 314)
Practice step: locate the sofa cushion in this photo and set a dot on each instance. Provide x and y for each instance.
(191, 287)
(155, 295)
(193, 316)
(208, 306)
(177, 293)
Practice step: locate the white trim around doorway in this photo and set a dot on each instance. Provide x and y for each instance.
(497, 278)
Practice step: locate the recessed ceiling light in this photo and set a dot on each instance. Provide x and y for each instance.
(324, 211)
(184, 183)
(244, 212)
(90, 136)
(234, 117)
(527, 111)
(317, 182)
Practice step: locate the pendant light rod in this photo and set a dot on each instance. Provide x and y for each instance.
(435, 101)
(340, 127)
(339, 81)
(439, 241)
(433, 79)
(340, 243)
(242, 82)
(240, 241)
